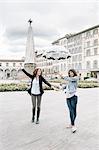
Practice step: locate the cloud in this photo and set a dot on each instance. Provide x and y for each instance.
(39, 31)
(15, 33)
(51, 20)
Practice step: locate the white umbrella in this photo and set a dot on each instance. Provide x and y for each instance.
(56, 52)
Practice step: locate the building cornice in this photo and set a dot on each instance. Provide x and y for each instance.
(67, 36)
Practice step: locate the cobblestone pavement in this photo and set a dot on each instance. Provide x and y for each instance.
(18, 133)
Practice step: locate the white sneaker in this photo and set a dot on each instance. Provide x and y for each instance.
(74, 129)
(69, 126)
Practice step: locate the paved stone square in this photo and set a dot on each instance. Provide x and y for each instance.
(18, 133)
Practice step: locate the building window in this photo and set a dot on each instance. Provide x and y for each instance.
(13, 64)
(88, 65)
(80, 66)
(95, 31)
(69, 66)
(88, 44)
(95, 64)
(69, 60)
(95, 51)
(7, 64)
(76, 66)
(75, 50)
(64, 67)
(0, 64)
(72, 51)
(80, 49)
(61, 67)
(73, 66)
(68, 40)
(88, 34)
(95, 42)
(73, 58)
(88, 53)
(64, 41)
(80, 57)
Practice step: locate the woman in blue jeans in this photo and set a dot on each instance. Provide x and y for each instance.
(71, 97)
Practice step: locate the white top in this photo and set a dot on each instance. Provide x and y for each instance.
(35, 86)
(68, 94)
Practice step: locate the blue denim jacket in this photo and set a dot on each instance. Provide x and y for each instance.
(72, 84)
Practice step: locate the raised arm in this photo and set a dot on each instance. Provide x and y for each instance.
(29, 75)
(46, 82)
(76, 78)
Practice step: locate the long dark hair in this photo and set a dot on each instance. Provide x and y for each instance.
(74, 72)
(35, 71)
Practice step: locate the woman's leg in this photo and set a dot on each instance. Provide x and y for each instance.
(74, 107)
(70, 110)
(38, 107)
(34, 106)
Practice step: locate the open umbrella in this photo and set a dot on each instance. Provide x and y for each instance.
(56, 53)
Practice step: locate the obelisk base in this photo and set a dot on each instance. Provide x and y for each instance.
(29, 67)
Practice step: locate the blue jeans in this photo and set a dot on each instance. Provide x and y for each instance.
(72, 105)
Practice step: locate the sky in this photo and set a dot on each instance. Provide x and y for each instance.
(52, 19)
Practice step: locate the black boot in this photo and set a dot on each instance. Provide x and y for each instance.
(33, 114)
(38, 114)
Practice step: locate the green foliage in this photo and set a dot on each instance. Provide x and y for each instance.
(24, 86)
(17, 87)
(13, 87)
(88, 84)
(81, 84)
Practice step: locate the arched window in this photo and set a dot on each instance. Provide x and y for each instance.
(7, 73)
(88, 34)
(14, 64)
(7, 64)
(13, 73)
(1, 74)
(95, 31)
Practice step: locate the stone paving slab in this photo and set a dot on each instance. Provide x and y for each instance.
(18, 133)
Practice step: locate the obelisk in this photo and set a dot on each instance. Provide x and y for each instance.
(30, 60)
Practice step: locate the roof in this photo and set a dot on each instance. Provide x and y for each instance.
(71, 35)
(11, 58)
(97, 26)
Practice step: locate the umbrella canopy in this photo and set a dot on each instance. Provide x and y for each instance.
(56, 52)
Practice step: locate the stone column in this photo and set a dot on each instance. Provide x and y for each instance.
(30, 62)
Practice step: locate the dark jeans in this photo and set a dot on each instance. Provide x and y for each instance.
(72, 105)
(34, 103)
(34, 97)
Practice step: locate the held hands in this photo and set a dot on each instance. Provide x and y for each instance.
(55, 88)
